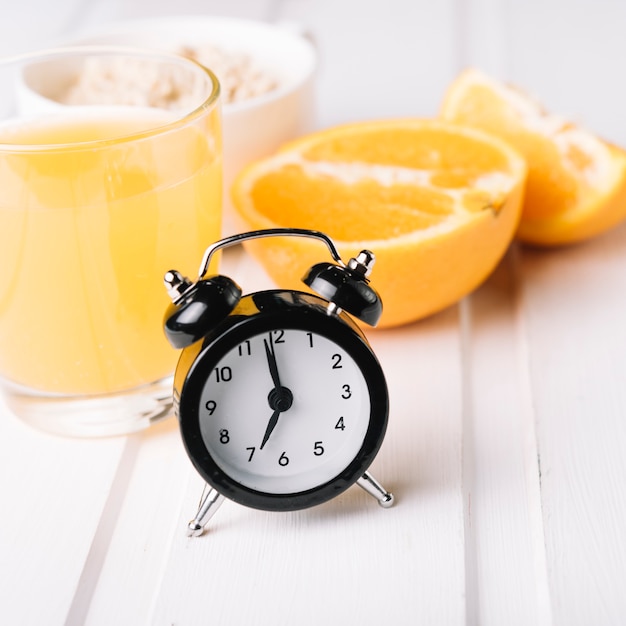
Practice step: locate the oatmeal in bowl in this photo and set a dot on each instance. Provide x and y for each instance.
(266, 75)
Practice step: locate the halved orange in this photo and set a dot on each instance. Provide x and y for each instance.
(436, 203)
(576, 182)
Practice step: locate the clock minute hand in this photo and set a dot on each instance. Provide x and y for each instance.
(271, 361)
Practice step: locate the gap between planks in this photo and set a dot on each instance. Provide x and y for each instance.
(505, 557)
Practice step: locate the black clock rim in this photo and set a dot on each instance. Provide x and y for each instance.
(230, 334)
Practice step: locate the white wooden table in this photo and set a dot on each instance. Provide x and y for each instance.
(506, 447)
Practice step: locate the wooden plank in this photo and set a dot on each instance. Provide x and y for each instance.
(379, 62)
(505, 557)
(564, 52)
(55, 491)
(29, 25)
(505, 566)
(559, 52)
(139, 542)
(575, 304)
(484, 31)
(545, 47)
(102, 12)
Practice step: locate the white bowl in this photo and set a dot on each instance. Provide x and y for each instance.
(252, 128)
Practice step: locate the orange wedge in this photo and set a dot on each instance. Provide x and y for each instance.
(437, 204)
(576, 185)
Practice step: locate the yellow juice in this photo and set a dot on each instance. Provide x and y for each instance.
(87, 232)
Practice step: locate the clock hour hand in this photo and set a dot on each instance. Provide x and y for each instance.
(270, 427)
(280, 400)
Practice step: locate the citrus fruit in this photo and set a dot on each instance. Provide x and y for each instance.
(436, 203)
(576, 185)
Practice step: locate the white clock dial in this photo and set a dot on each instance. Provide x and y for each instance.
(303, 436)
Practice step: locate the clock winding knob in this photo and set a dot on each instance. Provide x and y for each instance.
(176, 284)
(362, 263)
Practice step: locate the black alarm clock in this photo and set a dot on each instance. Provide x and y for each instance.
(281, 402)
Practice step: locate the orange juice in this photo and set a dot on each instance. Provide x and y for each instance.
(88, 227)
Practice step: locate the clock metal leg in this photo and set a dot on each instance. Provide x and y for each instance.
(208, 507)
(374, 488)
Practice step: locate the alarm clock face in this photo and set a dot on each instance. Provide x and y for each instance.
(289, 412)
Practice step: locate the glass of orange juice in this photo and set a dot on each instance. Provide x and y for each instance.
(110, 175)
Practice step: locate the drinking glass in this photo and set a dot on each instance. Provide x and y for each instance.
(110, 175)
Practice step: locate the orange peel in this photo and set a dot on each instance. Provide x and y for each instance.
(437, 204)
(576, 186)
